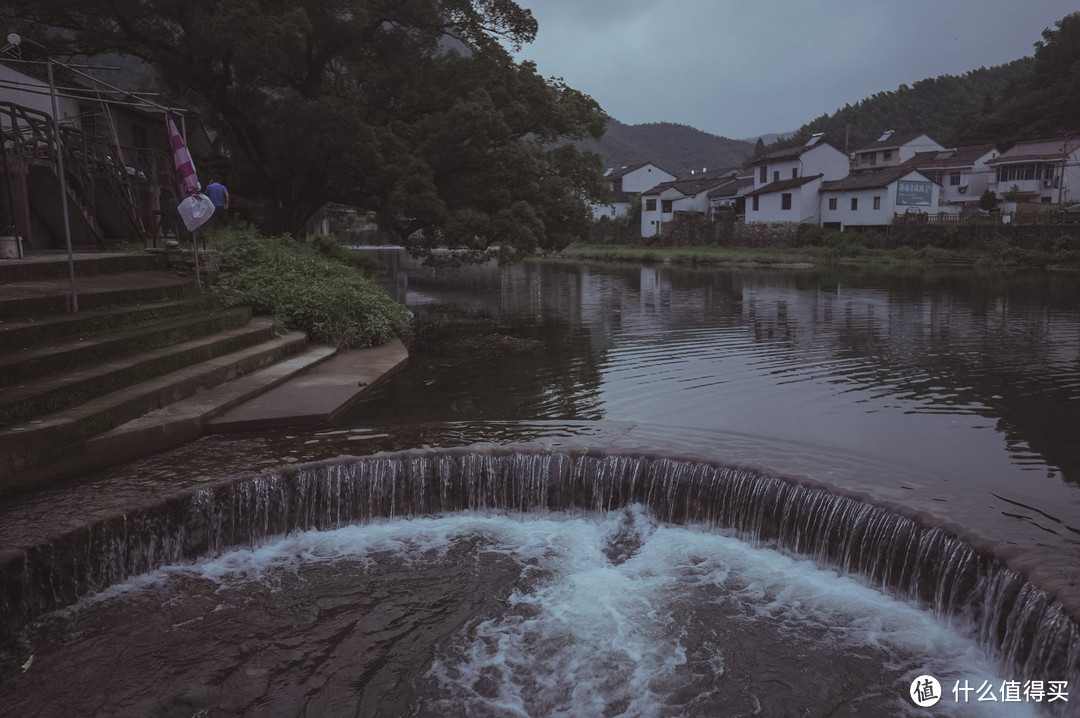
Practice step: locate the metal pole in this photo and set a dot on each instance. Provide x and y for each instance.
(194, 232)
(63, 186)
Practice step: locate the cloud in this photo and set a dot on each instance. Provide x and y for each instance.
(744, 68)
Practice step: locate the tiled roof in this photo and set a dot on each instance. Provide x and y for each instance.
(695, 184)
(1043, 150)
(782, 185)
(790, 153)
(622, 172)
(732, 188)
(946, 159)
(868, 180)
(893, 141)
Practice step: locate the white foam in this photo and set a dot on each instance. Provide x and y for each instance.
(582, 633)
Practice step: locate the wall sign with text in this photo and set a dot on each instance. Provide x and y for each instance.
(913, 192)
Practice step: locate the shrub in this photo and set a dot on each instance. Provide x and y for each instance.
(305, 289)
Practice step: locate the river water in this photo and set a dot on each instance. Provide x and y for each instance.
(950, 395)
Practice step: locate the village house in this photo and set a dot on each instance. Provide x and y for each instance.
(627, 182)
(786, 182)
(1036, 172)
(892, 149)
(730, 197)
(962, 174)
(117, 160)
(872, 198)
(660, 203)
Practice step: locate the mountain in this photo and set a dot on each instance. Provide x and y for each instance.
(674, 147)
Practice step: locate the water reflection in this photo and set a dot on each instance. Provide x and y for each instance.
(954, 363)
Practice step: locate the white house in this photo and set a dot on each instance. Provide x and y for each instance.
(786, 182)
(873, 198)
(660, 204)
(117, 156)
(731, 196)
(1039, 172)
(793, 200)
(892, 149)
(626, 182)
(962, 173)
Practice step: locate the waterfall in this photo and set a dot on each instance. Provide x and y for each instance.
(1025, 627)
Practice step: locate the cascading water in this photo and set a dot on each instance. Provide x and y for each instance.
(1026, 629)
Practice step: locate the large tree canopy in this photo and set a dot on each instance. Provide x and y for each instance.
(1047, 102)
(413, 109)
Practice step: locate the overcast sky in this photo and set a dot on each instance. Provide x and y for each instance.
(742, 68)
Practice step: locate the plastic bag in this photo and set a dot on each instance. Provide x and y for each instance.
(195, 209)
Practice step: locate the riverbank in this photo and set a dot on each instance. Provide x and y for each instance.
(995, 255)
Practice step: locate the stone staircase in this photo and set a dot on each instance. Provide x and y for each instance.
(78, 390)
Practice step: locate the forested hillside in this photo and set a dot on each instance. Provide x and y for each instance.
(949, 108)
(676, 148)
(1030, 98)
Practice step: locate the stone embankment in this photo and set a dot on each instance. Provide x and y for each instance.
(147, 362)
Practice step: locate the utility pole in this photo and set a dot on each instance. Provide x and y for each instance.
(14, 40)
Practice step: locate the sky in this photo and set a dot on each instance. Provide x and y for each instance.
(743, 68)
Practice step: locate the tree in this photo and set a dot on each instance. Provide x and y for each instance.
(412, 109)
(1047, 101)
(988, 201)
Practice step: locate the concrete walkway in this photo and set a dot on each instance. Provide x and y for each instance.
(320, 394)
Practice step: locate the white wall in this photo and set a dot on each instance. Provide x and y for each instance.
(804, 205)
(651, 221)
(35, 97)
(922, 143)
(640, 180)
(645, 178)
(976, 179)
(866, 214)
(824, 160)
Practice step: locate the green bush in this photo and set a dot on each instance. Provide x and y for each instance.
(302, 288)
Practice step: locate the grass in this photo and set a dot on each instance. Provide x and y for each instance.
(997, 254)
(304, 286)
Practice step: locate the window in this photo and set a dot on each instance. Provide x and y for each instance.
(139, 138)
(954, 179)
(854, 204)
(785, 200)
(1010, 173)
(776, 176)
(886, 155)
(616, 185)
(794, 173)
(832, 203)
(763, 174)
(88, 118)
(650, 205)
(877, 202)
(871, 158)
(665, 206)
(756, 203)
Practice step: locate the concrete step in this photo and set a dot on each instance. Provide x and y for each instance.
(54, 265)
(319, 395)
(30, 334)
(44, 297)
(22, 366)
(57, 444)
(78, 385)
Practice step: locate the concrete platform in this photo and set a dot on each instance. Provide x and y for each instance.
(320, 394)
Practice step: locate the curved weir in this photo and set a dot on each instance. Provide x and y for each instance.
(1028, 630)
